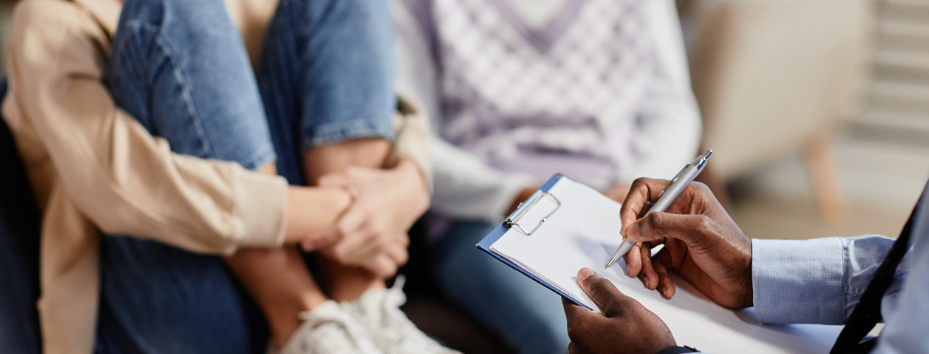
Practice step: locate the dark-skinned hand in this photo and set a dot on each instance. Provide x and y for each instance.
(623, 326)
(701, 243)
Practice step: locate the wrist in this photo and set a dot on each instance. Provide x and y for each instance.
(410, 169)
(313, 209)
(418, 195)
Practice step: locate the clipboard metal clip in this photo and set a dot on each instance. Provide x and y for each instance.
(512, 221)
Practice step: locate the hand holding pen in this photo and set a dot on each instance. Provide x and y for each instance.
(701, 243)
(667, 196)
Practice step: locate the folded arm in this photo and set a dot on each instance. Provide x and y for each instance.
(119, 176)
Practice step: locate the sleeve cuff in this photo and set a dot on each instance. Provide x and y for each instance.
(261, 209)
(412, 139)
(677, 350)
(798, 281)
(510, 187)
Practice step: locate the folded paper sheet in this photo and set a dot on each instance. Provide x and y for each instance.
(584, 232)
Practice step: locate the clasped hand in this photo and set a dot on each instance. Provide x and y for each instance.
(701, 243)
(372, 233)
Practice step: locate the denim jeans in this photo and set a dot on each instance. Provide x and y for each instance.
(180, 68)
(527, 316)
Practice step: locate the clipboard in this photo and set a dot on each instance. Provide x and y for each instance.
(513, 221)
(577, 226)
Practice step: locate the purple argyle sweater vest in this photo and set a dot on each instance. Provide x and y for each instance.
(563, 97)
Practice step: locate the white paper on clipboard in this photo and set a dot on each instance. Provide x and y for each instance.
(584, 232)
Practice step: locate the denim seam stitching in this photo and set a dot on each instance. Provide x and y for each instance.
(356, 128)
(260, 154)
(185, 91)
(319, 139)
(119, 46)
(348, 125)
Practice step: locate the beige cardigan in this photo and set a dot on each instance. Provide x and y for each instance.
(94, 168)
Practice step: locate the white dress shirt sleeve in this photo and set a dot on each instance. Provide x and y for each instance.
(813, 281)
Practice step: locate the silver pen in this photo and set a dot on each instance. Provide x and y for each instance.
(667, 196)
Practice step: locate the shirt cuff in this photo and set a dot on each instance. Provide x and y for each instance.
(261, 210)
(798, 281)
(677, 350)
(412, 140)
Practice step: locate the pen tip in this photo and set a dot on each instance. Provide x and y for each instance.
(608, 264)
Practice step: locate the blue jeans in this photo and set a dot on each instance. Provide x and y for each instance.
(529, 317)
(180, 68)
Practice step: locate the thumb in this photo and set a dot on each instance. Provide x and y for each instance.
(608, 298)
(659, 225)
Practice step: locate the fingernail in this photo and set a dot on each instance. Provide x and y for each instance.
(633, 231)
(585, 273)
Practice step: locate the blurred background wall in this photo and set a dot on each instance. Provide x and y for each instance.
(818, 110)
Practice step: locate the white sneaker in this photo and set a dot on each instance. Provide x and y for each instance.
(378, 310)
(328, 329)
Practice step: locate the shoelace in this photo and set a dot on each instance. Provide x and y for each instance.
(395, 296)
(393, 321)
